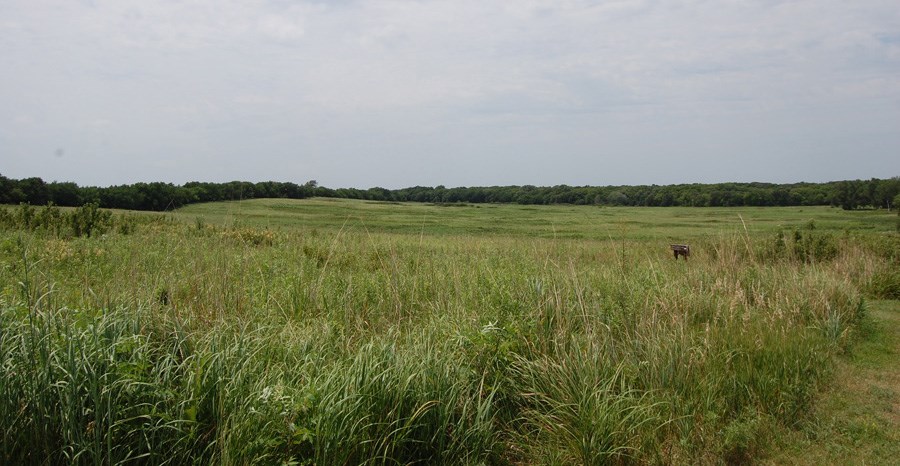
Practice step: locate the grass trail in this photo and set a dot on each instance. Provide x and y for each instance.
(857, 420)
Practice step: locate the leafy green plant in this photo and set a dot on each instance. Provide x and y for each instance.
(90, 219)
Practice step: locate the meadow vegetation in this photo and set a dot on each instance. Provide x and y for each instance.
(350, 332)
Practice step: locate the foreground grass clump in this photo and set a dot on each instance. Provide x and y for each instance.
(110, 388)
(196, 343)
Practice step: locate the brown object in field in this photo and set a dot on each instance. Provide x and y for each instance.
(681, 250)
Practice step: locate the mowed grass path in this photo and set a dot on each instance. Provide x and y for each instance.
(857, 420)
(575, 222)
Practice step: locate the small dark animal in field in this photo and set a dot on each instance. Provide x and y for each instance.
(681, 250)
(163, 297)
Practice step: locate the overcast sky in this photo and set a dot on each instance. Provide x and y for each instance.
(459, 93)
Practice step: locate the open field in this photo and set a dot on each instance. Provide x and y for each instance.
(345, 332)
(578, 222)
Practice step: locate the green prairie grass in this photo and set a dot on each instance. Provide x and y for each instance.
(380, 341)
(555, 221)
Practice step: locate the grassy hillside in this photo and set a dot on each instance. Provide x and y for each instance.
(346, 332)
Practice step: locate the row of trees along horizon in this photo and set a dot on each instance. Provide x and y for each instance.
(850, 194)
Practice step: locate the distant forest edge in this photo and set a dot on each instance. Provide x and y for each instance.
(851, 194)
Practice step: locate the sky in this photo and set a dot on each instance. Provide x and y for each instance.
(456, 93)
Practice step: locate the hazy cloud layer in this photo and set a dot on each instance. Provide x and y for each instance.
(398, 93)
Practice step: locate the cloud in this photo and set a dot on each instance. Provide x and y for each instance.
(357, 89)
(281, 27)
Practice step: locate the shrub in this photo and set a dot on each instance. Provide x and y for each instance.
(812, 247)
(807, 246)
(125, 224)
(89, 220)
(743, 439)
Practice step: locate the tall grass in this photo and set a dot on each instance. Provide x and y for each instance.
(181, 344)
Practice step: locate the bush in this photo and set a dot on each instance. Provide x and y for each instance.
(126, 224)
(808, 246)
(743, 439)
(813, 247)
(86, 220)
(89, 220)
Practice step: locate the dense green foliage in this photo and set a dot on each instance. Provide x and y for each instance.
(874, 193)
(394, 340)
(86, 220)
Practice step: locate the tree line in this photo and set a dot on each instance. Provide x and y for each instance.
(158, 196)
